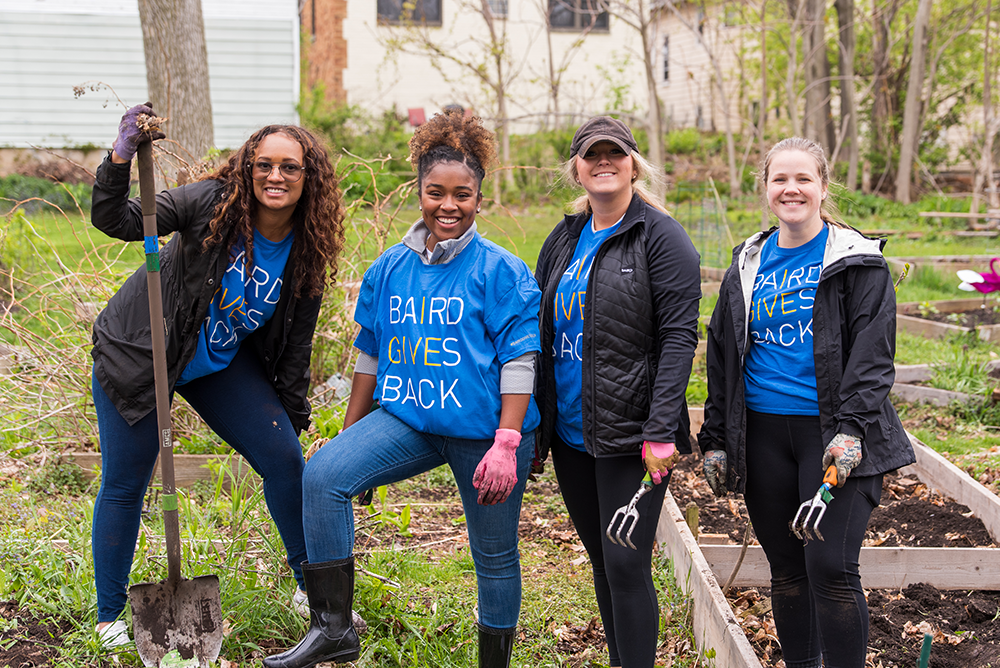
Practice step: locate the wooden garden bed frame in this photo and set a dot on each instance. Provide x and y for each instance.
(907, 322)
(699, 569)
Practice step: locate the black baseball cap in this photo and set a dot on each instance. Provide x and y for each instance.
(602, 128)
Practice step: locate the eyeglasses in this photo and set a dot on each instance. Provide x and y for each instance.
(261, 170)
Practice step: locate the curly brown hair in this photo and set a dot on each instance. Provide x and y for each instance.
(452, 136)
(318, 219)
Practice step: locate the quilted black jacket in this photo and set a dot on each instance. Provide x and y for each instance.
(639, 332)
(123, 360)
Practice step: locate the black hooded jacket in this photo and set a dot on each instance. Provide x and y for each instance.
(639, 332)
(123, 359)
(854, 342)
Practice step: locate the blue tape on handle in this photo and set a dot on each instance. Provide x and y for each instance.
(151, 244)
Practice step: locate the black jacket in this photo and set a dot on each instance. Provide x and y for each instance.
(639, 332)
(854, 342)
(123, 360)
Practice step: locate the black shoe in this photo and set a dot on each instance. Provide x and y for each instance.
(495, 646)
(331, 636)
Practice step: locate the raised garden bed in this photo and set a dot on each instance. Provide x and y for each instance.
(893, 568)
(934, 319)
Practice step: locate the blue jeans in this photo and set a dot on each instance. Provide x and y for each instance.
(241, 406)
(381, 449)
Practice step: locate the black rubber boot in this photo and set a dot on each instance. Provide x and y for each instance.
(331, 636)
(495, 646)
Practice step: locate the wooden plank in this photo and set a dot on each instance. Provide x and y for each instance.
(942, 306)
(881, 567)
(710, 288)
(940, 474)
(928, 328)
(913, 373)
(715, 625)
(919, 394)
(959, 214)
(188, 469)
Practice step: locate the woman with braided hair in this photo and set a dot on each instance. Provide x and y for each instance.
(254, 243)
(449, 332)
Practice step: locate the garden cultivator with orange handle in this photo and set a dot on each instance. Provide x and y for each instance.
(805, 524)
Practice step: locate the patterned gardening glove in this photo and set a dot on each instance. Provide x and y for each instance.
(844, 452)
(659, 458)
(129, 133)
(715, 466)
(496, 474)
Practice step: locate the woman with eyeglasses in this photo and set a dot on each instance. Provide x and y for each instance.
(253, 245)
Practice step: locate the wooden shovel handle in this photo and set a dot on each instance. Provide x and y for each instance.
(171, 525)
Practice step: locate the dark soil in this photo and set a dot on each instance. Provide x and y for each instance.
(980, 316)
(28, 642)
(965, 625)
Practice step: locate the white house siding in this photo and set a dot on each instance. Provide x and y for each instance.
(692, 82)
(49, 46)
(377, 80)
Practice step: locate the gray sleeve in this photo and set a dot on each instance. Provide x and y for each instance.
(518, 375)
(366, 364)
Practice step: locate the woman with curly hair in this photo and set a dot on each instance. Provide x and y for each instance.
(243, 275)
(449, 331)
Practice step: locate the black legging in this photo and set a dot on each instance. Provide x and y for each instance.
(819, 607)
(593, 489)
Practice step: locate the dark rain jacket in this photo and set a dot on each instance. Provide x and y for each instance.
(639, 332)
(854, 342)
(123, 360)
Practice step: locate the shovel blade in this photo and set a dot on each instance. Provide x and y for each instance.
(183, 615)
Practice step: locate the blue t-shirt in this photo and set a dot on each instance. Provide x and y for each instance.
(567, 347)
(780, 372)
(241, 304)
(441, 333)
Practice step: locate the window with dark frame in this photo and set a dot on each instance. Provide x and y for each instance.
(666, 59)
(401, 12)
(577, 15)
(498, 8)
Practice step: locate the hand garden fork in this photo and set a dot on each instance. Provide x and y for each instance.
(805, 524)
(628, 515)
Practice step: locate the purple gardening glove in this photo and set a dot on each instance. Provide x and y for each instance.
(129, 134)
(844, 452)
(496, 474)
(659, 458)
(715, 466)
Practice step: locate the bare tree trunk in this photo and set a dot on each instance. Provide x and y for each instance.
(795, 9)
(173, 38)
(818, 117)
(656, 133)
(848, 107)
(991, 122)
(762, 117)
(911, 110)
(882, 17)
(503, 122)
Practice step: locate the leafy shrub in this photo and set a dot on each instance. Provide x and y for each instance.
(683, 141)
(17, 188)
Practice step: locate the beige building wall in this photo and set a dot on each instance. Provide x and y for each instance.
(378, 78)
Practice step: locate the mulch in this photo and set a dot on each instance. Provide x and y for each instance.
(974, 318)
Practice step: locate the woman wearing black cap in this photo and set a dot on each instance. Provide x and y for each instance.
(619, 318)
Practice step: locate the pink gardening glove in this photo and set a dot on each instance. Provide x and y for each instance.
(496, 474)
(659, 458)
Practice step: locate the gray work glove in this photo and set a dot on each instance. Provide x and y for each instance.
(129, 134)
(844, 452)
(715, 466)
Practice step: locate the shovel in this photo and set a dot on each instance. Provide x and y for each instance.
(805, 524)
(628, 516)
(175, 614)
